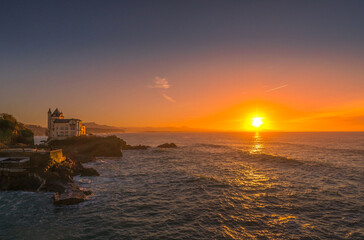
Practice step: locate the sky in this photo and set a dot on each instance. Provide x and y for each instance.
(202, 64)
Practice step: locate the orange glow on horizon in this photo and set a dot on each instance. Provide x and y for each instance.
(285, 91)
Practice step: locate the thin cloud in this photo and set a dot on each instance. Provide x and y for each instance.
(163, 84)
(276, 88)
(168, 98)
(160, 83)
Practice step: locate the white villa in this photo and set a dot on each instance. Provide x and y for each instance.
(61, 128)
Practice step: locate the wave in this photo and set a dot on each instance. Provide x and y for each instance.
(320, 148)
(210, 180)
(332, 168)
(210, 145)
(273, 158)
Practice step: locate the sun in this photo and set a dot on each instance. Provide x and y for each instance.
(257, 122)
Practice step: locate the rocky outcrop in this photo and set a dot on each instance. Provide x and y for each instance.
(87, 148)
(19, 181)
(167, 145)
(53, 173)
(47, 173)
(136, 147)
(66, 190)
(72, 194)
(89, 172)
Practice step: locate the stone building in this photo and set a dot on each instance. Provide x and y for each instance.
(61, 128)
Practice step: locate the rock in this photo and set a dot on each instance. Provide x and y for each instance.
(167, 145)
(86, 148)
(19, 181)
(69, 198)
(136, 147)
(54, 182)
(89, 172)
(72, 195)
(87, 192)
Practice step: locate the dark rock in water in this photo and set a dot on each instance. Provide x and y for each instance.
(87, 192)
(89, 172)
(136, 147)
(168, 145)
(71, 195)
(68, 198)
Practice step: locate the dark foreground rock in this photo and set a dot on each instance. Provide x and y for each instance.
(19, 181)
(59, 179)
(167, 145)
(72, 194)
(89, 172)
(43, 174)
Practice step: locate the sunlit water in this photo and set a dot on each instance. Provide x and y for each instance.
(214, 186)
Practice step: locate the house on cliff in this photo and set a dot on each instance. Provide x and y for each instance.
(61, 128)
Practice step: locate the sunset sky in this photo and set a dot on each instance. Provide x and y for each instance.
(203, 64)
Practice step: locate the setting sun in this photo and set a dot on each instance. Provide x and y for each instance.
(257, 122)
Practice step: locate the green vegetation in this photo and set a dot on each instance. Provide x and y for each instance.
(12, 132)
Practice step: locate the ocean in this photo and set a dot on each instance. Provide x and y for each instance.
(213, 186)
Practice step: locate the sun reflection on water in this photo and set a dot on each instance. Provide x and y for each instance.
(257, 144)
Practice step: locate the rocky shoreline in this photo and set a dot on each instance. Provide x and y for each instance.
(48, 170)
(44, 174)
(52, 169)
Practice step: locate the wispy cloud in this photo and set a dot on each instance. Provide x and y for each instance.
(163, 85)
(276, 88)
(168, 98)
(160, 83)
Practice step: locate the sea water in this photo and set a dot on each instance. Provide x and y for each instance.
(213, 186)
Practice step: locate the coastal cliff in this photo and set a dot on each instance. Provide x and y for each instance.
(87, 148)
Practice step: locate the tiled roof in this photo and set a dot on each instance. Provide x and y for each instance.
(56, 113)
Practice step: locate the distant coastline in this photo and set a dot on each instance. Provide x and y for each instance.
(94, 128)
(91, 128)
